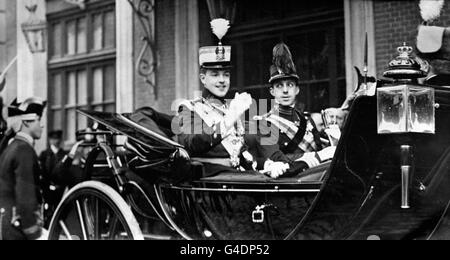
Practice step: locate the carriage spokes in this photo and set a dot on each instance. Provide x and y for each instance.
(94, 211)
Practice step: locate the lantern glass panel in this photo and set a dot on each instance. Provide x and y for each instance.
(406, 109)
(422, 111)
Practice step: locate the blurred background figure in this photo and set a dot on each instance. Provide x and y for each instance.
(70, 170)
(49, 158)
(334, 121)
(318, 121)
(334, 116)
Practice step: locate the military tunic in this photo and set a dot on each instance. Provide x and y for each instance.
(20, 196)
(203, 140)
(293, 134)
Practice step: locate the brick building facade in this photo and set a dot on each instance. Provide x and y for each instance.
(396, 22)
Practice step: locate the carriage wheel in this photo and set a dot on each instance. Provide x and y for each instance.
(94, 211)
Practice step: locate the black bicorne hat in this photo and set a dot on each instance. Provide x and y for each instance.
(283, 66)
(30, 109)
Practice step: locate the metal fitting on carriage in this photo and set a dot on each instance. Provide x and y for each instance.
(258, 215)
(406, 173)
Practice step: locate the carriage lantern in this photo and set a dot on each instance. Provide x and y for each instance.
(404, 108)
(35, 31)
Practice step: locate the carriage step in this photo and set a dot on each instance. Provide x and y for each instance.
(157, 237)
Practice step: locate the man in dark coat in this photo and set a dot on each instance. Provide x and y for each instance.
(20, 197)
(49, 158)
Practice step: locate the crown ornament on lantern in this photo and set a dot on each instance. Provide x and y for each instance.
(220, 28)
(404, 66)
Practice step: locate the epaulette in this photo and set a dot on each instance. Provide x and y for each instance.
(190, 103)
(198, 100)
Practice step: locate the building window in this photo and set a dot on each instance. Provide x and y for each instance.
(82, 65)
(314, 31)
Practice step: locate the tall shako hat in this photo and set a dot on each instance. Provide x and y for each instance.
(283, 66)
(433, 42)
(30, 109)
(216, 57)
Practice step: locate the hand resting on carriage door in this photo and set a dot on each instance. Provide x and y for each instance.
(70, 170)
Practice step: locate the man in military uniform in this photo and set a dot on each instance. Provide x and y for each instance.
(293, 132)
(20, 198)
(210, 127)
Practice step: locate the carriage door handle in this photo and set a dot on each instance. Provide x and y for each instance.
(258, 215)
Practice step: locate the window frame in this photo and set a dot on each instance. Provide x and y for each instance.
(64, 64)
(329, 21)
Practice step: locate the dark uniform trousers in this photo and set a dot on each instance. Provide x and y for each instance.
(20, 196)
(51, 191)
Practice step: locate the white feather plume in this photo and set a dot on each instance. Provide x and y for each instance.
(431, 9)
(220, 27)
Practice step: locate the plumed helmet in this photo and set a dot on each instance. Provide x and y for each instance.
(283, 66)
(216, 57)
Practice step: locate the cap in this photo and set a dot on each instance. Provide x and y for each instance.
(56, 134)
(30, 109)
(283, 66)
(216, 57)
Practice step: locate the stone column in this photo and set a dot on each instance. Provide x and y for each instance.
(31, 67)
(359, 19)
(125, 64)
(186, 49)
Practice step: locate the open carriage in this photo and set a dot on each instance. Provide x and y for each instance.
(162, 195)
(149, 188)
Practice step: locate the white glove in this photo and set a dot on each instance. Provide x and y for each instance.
(74, 149)
(327, 153)
(310, 159)
(44, 235)
(275, 169)
(350, 99)
(334, 134)
(238, 106)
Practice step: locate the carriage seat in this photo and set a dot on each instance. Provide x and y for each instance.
(314, 175)
(162, 124)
